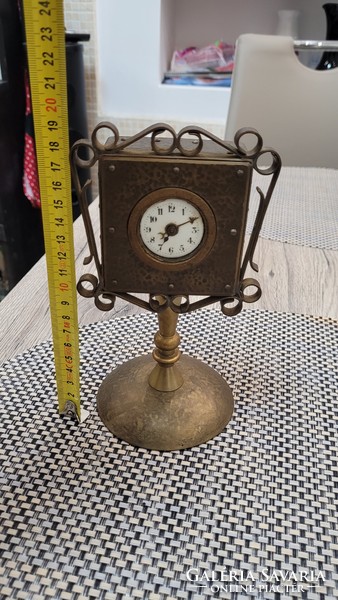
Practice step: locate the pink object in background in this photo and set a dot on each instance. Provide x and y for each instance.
(30, 172)
(218, 57)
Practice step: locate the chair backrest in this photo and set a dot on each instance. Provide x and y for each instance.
(293, 107)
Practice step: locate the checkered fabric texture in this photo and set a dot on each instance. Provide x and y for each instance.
(85, 515)
(303, 208)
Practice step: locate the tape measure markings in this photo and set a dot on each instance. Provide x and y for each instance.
(45, 37)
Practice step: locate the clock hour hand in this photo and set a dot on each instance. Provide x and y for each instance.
(165, 238)
(170, 230)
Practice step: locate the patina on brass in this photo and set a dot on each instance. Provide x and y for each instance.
(217, 171)
(166, 401)
(166, 376)
(179, 403)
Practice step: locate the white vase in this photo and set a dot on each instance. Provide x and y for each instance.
(288, 23)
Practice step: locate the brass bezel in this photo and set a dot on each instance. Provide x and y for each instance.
(172, 264)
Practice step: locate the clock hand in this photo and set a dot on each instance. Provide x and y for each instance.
(172, 229)
(165, 238)
(191, 220)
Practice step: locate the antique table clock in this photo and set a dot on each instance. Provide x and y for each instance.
(173, 213)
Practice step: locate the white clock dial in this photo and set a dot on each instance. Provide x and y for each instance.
(172, 228)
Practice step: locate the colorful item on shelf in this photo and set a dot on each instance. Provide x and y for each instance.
(210, 65)
(216, 57)
(199, 79)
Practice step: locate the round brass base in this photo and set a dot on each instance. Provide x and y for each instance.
(142, 416)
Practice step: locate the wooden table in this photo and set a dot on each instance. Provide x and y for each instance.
(296, 279)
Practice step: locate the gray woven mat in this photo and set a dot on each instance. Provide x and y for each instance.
(303, 208)
(87, 516)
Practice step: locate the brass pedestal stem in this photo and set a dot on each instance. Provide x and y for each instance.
(169, 406)
(166, 376)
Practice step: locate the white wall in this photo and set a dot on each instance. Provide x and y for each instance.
(129, 68)
(136, 38)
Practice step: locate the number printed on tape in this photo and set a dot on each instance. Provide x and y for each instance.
(45, 36)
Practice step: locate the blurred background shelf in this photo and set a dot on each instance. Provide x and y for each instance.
(136, 40)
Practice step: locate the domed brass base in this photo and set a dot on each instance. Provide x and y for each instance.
(143, 416)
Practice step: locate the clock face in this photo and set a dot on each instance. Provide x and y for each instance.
(172, 228)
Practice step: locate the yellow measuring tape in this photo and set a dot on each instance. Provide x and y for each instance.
(45, 38)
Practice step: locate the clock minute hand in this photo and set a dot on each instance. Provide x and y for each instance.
(191, 220)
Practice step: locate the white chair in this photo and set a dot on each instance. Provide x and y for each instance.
(293, 107)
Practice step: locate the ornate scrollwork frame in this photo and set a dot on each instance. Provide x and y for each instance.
(105, 300)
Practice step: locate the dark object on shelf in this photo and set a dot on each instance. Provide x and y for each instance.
(21, 239)
(329, 59)
(21, 233)
(77, 112)
(73, 36)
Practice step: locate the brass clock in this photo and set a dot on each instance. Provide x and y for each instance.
(172, 228)
(173, 213)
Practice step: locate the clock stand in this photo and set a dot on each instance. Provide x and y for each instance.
(173, 212)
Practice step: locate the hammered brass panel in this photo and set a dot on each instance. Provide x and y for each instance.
(223, 184)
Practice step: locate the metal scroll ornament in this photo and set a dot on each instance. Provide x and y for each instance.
(173, 211)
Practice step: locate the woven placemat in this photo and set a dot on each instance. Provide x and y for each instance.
(87, 516)
(303, 208)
